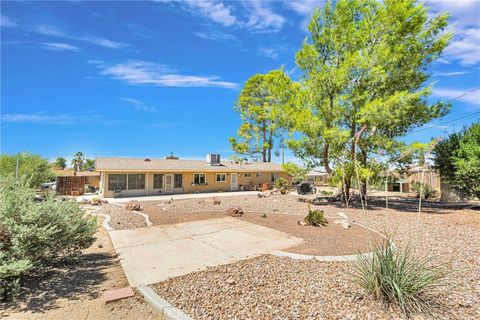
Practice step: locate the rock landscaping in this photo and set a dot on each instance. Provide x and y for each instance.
(121, 218)
(269, 287)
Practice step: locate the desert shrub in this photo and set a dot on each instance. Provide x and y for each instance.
(36, 235)
(282, 185)
(315, 218)
(426, 190)
(398, 276)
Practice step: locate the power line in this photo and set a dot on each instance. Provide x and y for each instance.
(460, 118)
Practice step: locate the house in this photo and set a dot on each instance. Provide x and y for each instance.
(317, 177)
(146, 177)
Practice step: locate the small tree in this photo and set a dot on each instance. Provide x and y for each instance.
(457, 158)
(34, 167)
(298, 173)
(261, 105)
(60, 163)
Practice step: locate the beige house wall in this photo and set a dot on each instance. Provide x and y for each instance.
(253, 182)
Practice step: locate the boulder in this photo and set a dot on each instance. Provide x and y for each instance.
(234, 212)
(318, 201)
(133, 205)
(214, 201)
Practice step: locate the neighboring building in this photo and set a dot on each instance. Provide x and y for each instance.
(317, 177)
(69, 182)
(147, 177)
(403, 183)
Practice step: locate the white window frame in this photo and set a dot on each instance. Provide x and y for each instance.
(219, 175)
(200, 184)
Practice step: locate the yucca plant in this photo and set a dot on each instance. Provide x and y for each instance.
(398, 276)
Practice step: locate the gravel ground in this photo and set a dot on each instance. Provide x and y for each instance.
(121, 218)
(270, 287)
(273, 204)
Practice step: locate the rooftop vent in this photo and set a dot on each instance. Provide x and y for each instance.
(147, 160)
(171, 157)
(213, 159)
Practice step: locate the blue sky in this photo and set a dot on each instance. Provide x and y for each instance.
(149, 78)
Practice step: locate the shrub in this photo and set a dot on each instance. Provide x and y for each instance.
(282, 185)
(36, 235)
(426, 189)
(397, 276)
(315, 218)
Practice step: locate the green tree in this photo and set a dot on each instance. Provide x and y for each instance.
(60, 163)
(364, 80)
(457, 158)
(298, 173)
(34, 167)
(77, 161)
(261, 105)
(89, 165)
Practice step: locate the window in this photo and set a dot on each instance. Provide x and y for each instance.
(136, 181)
(199, 178)
(273, 177)
(178, 180)
(247, 175)
(221, 177)
(117, 181)
(158, 181)
(259, 174)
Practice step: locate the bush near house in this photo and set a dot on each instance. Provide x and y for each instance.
(34, 236)
(282, 185)
(426, 190)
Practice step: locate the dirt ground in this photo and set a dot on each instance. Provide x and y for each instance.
(76, 292)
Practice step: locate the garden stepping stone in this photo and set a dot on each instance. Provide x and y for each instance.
(117, 294)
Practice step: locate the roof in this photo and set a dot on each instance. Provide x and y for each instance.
(315, 173)
(71, 173)
(140, 164)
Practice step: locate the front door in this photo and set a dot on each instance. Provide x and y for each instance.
(234, 186)
(169, 183)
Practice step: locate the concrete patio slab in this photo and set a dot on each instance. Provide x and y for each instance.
(153, 254)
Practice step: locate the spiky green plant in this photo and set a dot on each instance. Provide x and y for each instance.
(315, 218)
(398, 276)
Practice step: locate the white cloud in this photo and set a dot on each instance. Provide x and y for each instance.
(216, 35)
(271, 52)
(465, 24)
(104, 42)
(139, 105)
(469, 96)
(261, 17)
(305, 9)
(55, 46)
(50, 30)
(449, 74)
(216, 11)
(66, 118)
(6, 22)
(146, 73)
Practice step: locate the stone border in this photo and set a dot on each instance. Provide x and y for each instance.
(162, 306)
(146, 216)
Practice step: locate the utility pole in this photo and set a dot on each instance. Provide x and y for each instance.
(283, 156)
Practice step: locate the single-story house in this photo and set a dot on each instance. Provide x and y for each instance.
(317, 177)
(124, 177)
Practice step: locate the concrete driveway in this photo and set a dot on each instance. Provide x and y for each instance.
(153, 254)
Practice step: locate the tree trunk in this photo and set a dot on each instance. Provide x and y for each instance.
(326, 163)
(264, 148)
